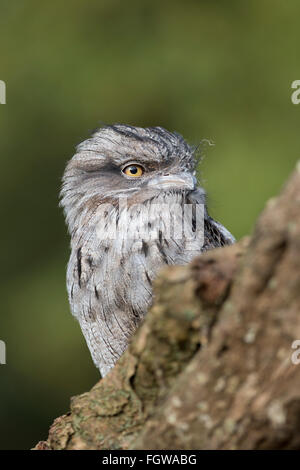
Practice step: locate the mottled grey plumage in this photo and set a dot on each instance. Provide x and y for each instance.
(109, 279)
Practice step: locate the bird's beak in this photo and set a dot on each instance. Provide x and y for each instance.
(176, 181)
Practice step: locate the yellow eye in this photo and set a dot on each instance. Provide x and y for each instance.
(135, 171)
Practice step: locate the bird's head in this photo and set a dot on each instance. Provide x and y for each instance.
(125, 161)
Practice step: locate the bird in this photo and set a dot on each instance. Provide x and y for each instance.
(126, 195)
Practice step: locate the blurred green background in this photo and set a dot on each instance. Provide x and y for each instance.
(208, 69)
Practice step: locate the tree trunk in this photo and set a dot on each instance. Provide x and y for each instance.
(211, 366)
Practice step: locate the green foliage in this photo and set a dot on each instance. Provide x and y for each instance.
(213, 70)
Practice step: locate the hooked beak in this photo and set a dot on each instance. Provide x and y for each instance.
(177, 181)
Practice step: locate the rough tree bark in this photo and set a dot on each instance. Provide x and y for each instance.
(210, 367)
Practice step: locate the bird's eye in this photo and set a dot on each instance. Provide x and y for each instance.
(135, 171)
